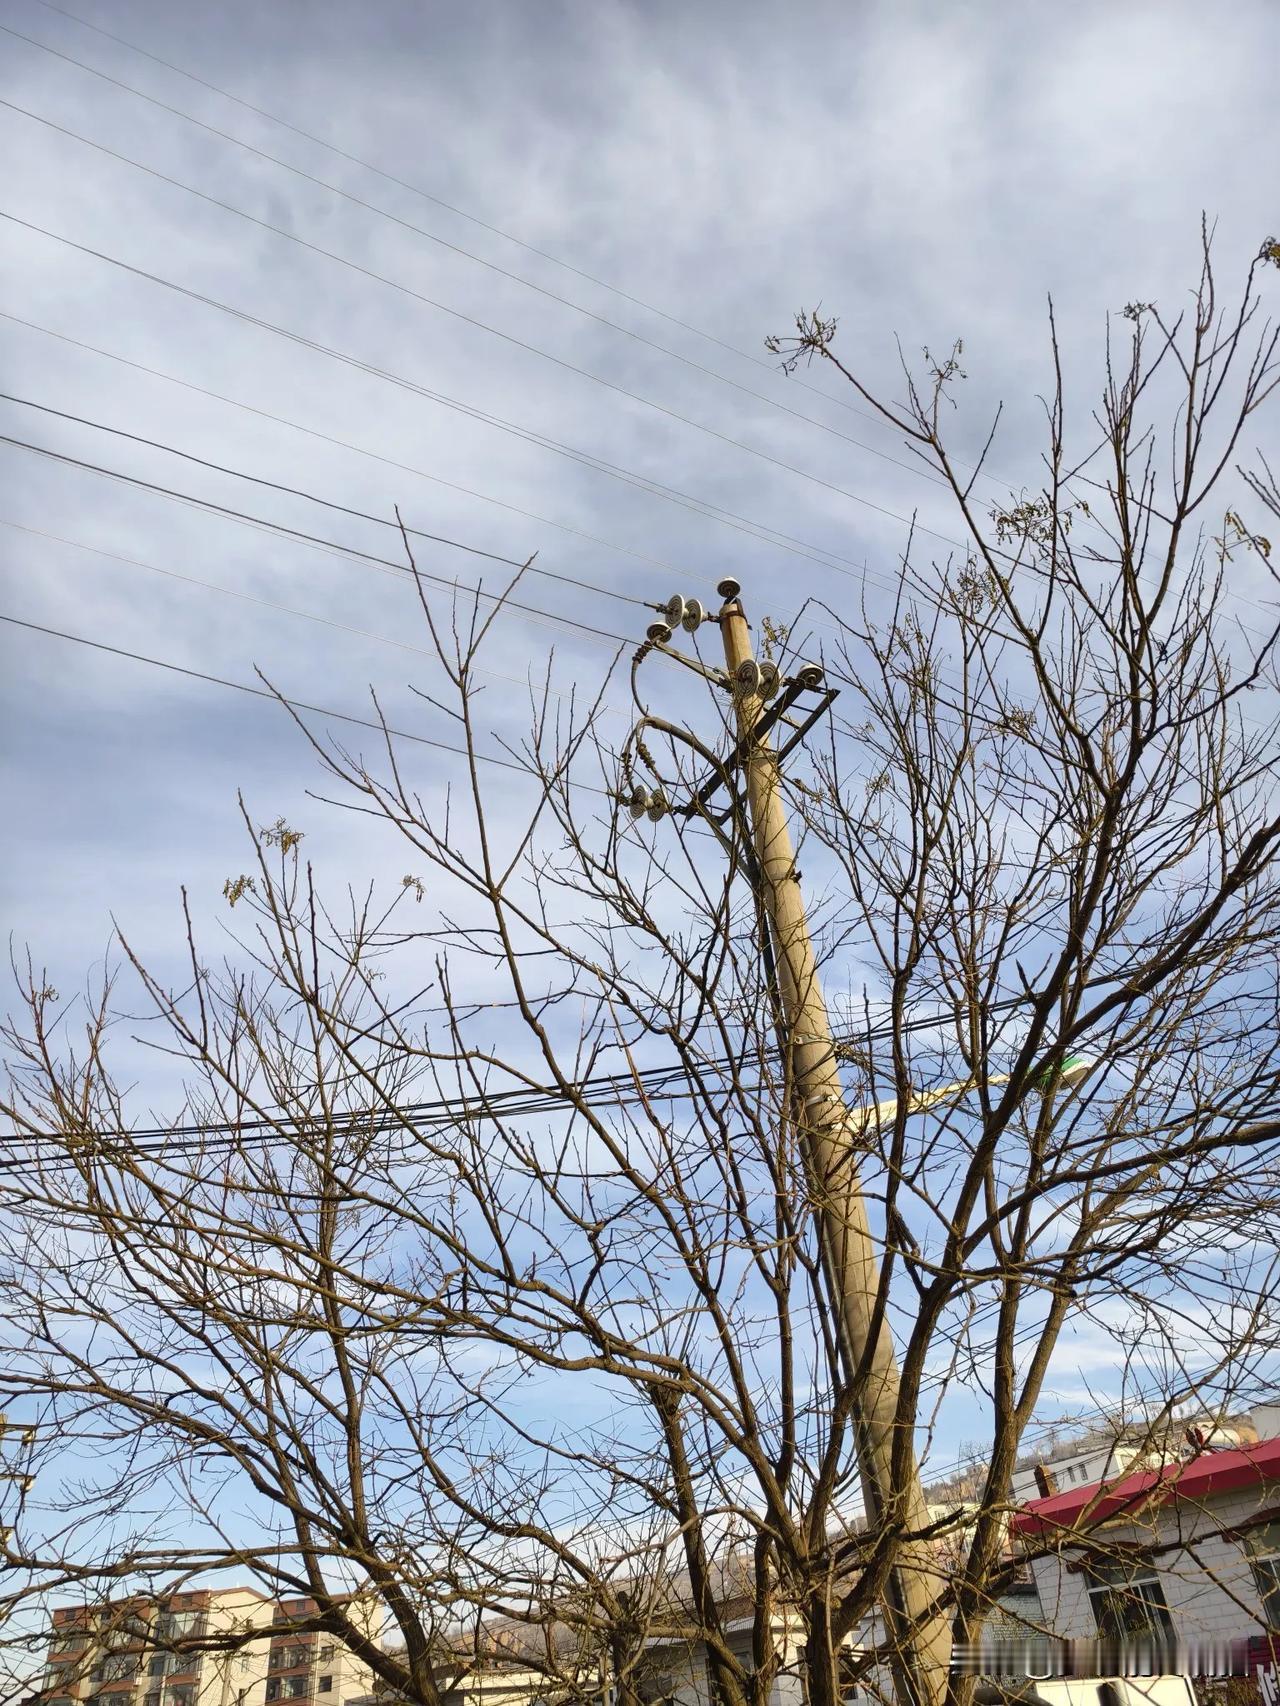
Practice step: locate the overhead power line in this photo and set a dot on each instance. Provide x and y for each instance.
(481, 325)
(318, 542)
(403, 570)
(314, 541)
(355, 449)
(498, 1103)
(525, 564)
(621, 1089)
(819, 554)
(914, 468)
(269, 693)
(629, 332)
(629, 1088)
(283, 609)
(470, 218)
(661, 1083)
(385, 565)
(360, 450)
(825, 557)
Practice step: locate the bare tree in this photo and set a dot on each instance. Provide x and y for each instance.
(326, 1326)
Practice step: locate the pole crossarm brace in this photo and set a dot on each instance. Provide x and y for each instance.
(768, 718)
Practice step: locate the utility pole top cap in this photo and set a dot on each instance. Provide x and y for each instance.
(729, 588)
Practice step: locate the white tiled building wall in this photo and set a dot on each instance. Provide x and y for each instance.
(1207, 1580)
(685, 1680)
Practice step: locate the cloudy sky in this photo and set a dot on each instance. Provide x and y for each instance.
(685, 178)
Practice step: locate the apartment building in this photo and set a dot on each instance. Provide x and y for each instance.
(149, 1652)
(308, 1665)
(167, 1652)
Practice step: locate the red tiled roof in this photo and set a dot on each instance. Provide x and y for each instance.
(1211, 1472)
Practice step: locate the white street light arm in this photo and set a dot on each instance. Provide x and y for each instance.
(1075, 1069)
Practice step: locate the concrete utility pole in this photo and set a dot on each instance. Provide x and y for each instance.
(921, 1637)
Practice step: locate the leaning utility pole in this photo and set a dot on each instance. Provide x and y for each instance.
(918, 1632)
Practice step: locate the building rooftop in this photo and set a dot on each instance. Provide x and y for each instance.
(1210, 1472)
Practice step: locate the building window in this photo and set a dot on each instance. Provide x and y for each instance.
(1263, 1546)
(325, 1685)
(1127, 1599)
(326, 1652)
(158, 1666)
(116, 1667)
(273, 1688)
(295, 1687)
(173, 1624)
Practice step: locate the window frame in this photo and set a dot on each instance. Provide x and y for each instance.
(1262, 1550)
(1127, 1599)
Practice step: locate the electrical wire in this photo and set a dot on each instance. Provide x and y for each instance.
(568, 623)
(484, 326)
(268, 693)
(283, 609)
(311, 497)
(345, 444)
(541, 1098)
(517, 278)
(173, 1143)
(335, 547)
(641, 482)
(604, 1090)
(415, 189)
(825, 558)
(327, 503)
(383, 565)
(470, 218)
(317, 542)
(661, 1083)
(914, 468)
(296, 426)
(280, 420)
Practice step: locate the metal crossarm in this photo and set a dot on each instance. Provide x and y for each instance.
(775, 713)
